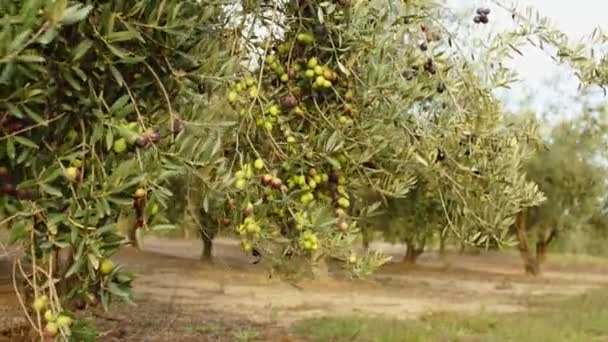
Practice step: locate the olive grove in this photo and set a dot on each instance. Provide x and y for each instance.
(346, 113)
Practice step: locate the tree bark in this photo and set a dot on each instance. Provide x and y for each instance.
(208, 230)
(542, 243)
(442, 238)
(207, 255)
(462, 248)
(531, 264)
(412, 252)
(365, 239)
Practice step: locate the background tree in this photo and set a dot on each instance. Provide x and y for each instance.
(570, 171)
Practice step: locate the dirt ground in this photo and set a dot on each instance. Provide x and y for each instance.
(180, 299)
(233, 300)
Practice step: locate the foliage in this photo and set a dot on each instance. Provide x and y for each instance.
(468, 160)
(347, 94)
(346, 105)
(98, 109)
(570, 171)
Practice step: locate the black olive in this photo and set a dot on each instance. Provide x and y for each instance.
(440, 155)
(440, 88)
(429, 66)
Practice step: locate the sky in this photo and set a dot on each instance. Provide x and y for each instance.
(538, 72)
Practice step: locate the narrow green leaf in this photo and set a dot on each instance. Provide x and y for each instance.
(117, 51)
(162, 227)
(119, 103)
(105, 300)
(75, 14)
(81, 49)
(25, 142)
(122, 36)
(10, 148)
(34, 116)
(206, 204)
(117, 75)
(56, 218)
(51, 190)
(76, 266)
(48, 36)
(18, 231)
(30, 59)
(97, 134)
(18, 41)
(120, 201)
(117, 291)
(93, 260)
(109, 139)
(334, 162)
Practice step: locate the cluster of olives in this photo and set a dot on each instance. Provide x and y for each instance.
(296, 82)
(132, 135)
(249, 229)
(308, 241)
(54, 321)
(482, 16)
(246, 173)
(249, 226)
(307, 184)
(247, 84)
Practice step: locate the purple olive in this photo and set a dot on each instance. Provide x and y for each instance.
(289, 102)
(141, 141)
(8, 188)
(155, 136)
(24, 194)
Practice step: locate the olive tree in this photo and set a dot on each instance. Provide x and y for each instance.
(98, 106)
(570, 171)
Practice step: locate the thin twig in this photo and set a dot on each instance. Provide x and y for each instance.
(21, 302)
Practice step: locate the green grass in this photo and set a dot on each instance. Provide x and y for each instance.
(579, 319)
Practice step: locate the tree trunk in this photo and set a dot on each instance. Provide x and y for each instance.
(541, 245)
(208, 230)
(207, 255)
(462, 248)
(531, 264)
(365, 237)
(412, 252)
(442, 238)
